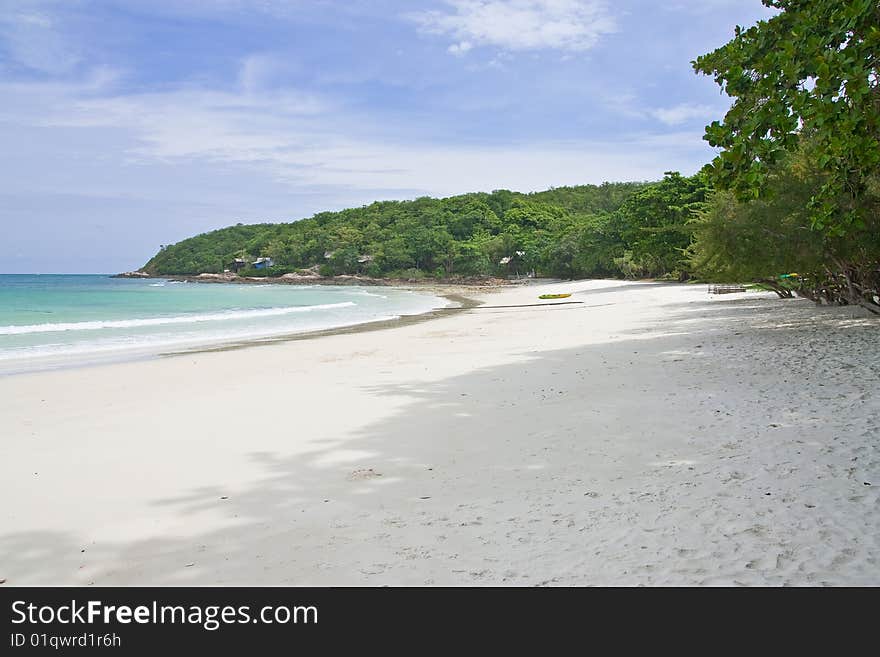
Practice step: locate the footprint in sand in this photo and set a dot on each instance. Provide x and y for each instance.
(365, 473)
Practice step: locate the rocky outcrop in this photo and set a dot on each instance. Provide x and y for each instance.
(132, 274)
(311, 276)
(301, 275)
(225, 276)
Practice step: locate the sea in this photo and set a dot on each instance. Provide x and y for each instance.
(59, 320)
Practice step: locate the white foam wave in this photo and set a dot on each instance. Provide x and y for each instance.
(26, 358)
(161, 321)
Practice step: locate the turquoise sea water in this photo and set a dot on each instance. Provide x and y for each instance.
(51, 320)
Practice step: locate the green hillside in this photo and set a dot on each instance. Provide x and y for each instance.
(609, 229)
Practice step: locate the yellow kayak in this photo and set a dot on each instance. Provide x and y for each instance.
(554, 296)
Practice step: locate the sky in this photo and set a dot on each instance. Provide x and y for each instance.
(126, 124)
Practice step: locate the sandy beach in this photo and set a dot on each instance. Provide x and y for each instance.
(652, 434)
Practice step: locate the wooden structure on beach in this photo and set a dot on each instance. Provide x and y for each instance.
(726, 289)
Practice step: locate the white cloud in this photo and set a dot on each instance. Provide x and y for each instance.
(306, 143)
(255, 71)
(683, 113)
(33, 40)
(572, 25)
(460, 48)
(90, 164)
(38, 20)
(198, 123)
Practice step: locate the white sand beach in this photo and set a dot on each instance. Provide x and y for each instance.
(652, 434)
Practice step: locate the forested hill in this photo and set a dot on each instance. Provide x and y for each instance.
(567, 231)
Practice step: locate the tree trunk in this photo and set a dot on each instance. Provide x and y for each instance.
(782, 292)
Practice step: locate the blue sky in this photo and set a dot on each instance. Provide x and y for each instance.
(127, 124)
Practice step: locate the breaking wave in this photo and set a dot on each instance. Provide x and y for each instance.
(161, 321)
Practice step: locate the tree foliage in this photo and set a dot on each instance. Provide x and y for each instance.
(567, 232)
(654, 224)
(801, 152)
(772, 236)
(811, 68)
(760, 239)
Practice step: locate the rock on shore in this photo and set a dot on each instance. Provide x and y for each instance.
(132, 274)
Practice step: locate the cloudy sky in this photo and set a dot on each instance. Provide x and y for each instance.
(127, 124)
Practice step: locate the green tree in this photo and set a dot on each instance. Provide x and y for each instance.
(762, 239)
(653, 225)
(813, 67)
(807, 79)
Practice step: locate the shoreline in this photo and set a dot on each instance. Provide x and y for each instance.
(451, 294)
(638, 437)
(466, 303)
(342, 279)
